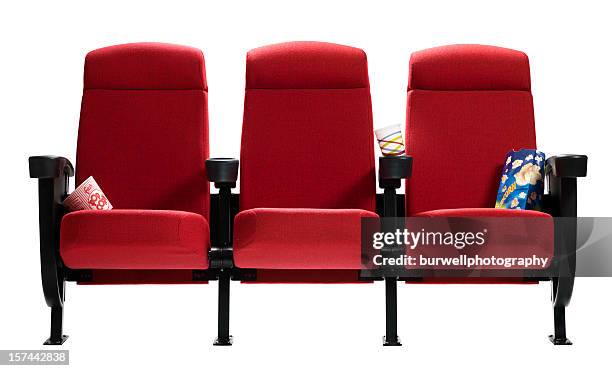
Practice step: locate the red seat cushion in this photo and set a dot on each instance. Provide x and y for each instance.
(299, 238)
(134, 239)
(510, 233)
(484, 212)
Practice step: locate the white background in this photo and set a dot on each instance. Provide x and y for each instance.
(300, 326)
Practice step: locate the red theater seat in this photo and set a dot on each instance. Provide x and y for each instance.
(148, 102)
(143, 136)
(468, 105)
(307, 174)
(307, 152)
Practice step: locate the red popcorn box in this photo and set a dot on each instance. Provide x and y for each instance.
(87, 196)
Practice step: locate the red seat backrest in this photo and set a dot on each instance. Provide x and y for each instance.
(468, 105)
(143, 133)
(307, 136)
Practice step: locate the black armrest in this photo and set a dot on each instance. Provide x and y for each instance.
(222, 171)
(567, 166)
(561, 174)
(392, 169)
(43, 167)
(52, 173)
(395, 167)
(562, 202)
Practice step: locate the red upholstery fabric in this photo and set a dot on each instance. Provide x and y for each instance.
(307, 138)
(306, 65)
(298, 238)
(484, 213)
(469, 67)
(458, 131)
(146, 149)
(134, 239)
(145, 66)
(508, 234)
(143, 133)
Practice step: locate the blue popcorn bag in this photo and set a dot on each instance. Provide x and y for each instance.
(522, 181)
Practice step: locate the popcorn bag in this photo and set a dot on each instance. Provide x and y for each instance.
(522, 181)
(87, 196)
(390, 140)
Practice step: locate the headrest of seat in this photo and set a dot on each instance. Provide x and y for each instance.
(145, 66)
(306, 65)
(469, 67)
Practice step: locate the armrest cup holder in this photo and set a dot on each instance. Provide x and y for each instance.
(222, 170)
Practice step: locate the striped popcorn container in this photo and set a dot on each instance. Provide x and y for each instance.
(390, 140)
(87, 196)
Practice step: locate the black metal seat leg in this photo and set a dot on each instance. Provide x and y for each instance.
(57, 319)
(391, 338)
(223, 336)
(560, 336)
